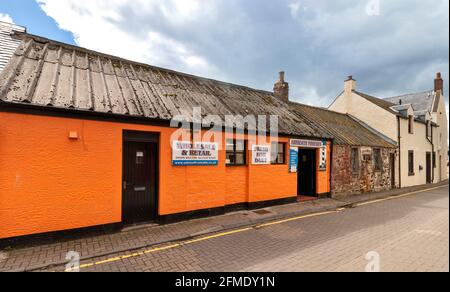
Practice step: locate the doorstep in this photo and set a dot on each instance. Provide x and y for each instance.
(41, 256)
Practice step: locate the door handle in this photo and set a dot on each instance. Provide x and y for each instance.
(125, 185)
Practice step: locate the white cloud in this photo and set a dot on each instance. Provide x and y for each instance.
(295, 9)
(317, 42)
(6, 18)
(103, 26)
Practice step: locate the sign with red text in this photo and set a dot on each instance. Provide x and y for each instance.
(301, 143)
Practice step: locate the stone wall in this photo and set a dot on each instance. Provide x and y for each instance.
(345, 182)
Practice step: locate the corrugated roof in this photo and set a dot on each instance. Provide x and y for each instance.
(8, 43)
(345, 129)
(46, 73)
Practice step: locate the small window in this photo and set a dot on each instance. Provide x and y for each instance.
(429, 130)
(411, 124)
(355, 160)
(278, 153)
(411, 163)
(236, 152)
(139, 157)
(378, 162)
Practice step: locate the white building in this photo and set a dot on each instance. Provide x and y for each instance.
(418, 122)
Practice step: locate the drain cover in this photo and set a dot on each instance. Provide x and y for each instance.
(262, 212)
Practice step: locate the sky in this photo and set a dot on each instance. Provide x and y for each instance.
(391, 47)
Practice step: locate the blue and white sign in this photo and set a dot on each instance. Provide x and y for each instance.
(293, 160)
(195, 154)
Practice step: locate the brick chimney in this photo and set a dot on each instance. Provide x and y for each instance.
(439, 83)
(281, 88)
(349, 85)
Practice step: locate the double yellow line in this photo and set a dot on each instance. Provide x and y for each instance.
(192, 241)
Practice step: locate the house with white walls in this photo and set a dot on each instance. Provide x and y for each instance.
(418, 122)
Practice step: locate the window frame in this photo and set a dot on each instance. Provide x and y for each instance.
(234, 152)
(411, 124)
(411, 164)
(278, 153)
(358, 161)
(378, 164)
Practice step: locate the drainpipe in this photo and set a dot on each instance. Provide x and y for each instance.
(399, 152)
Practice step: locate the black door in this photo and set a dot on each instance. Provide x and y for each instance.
(428, 170)
(392, 166)
(139, 182)
(307, 167)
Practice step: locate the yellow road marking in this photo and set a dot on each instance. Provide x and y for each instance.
(399, 196)
(116, 259)
(217, 235)
(296, 218)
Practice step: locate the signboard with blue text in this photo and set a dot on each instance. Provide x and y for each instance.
(195, 154)
(293, 160)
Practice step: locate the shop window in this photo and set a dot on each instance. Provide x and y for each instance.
(236, 152)
(411, 163)
(378, 162)
(355, 160)
(434, 160)
(278, 155)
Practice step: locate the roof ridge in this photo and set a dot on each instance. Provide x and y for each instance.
(121, 59)
(406, 94)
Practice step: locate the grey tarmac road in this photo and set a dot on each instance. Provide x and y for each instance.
(406, 234)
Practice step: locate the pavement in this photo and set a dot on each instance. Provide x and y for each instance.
(322, 235)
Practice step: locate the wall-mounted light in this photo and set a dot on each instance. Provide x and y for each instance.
(73, 135)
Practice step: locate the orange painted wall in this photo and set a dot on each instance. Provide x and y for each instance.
(51, 183)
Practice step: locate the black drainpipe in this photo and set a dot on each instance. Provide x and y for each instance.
(399, 153)
(331, 167)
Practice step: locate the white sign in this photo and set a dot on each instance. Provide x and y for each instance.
(195, 154)
(306, 143)
(261, 155)
(323, 159)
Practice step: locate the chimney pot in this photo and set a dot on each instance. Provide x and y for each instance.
(439, 83)
(282, 75)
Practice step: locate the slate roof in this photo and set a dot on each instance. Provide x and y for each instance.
(345, 129)
(8, 43)
(401, 109)
(48, 74)
(422, 101)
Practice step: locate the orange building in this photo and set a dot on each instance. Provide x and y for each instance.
(86, 140)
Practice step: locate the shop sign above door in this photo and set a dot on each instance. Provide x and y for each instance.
(301, 143)
(195, 154)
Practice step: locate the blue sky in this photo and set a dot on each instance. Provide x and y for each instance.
(28, 13)
(392, 48)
